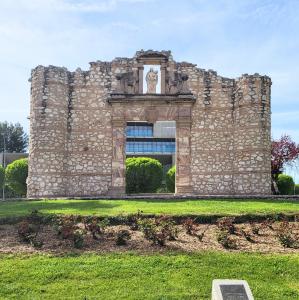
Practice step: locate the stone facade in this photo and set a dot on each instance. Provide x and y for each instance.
(78, 120)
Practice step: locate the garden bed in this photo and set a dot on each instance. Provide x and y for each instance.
(144, 234)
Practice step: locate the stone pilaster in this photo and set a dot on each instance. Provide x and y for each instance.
(183, 155)
(118, 185)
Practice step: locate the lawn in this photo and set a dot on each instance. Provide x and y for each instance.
(171, 207)
(134, 276)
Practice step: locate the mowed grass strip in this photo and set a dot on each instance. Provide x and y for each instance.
(156, 276)
(170, 207)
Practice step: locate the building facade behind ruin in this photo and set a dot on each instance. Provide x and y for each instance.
(78, 127)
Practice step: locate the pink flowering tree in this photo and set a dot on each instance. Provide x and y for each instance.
(284, 151)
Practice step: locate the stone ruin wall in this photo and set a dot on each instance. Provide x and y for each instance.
(231, 133)
(71, 134)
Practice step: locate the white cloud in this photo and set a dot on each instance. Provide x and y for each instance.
(67, 5)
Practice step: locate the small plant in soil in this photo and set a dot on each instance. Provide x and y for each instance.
(158, 230)
(225, 239)
(28, 233)
(285, 235)
(190, 226)
(122, 237)
(227, 224)
(78, 238)
(247, 235)
(201, 234)
(267, 224)
(169, 226)
(66, 227)
(35, 217)
(255, 228)
(96, 227)
(133, 220)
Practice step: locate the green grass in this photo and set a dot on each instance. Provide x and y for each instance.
(156, 276)
(172, 207)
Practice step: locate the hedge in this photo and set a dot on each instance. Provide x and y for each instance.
(285, 184)
(143, 175)
(170, 179)
(16, 174)
(297, 189)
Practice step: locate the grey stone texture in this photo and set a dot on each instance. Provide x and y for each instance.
(78, 120)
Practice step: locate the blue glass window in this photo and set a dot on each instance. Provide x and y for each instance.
(139, 131)
(150, 147)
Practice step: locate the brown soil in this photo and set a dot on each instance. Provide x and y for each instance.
(265, 242)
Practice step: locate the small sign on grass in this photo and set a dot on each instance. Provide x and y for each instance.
(225, 289)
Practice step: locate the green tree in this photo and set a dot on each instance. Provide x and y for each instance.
(16, 140)
(285, 184)
(143, 175)
(16, 174)
(170, 179)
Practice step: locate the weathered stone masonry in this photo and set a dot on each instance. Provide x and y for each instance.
(78, 120)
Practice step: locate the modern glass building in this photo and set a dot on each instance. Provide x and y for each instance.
(151, 140)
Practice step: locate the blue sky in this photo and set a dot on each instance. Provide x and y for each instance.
(230, 36)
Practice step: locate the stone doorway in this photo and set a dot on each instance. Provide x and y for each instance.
(152, 108)
(155, 141)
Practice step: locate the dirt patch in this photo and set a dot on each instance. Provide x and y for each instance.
(265, 242)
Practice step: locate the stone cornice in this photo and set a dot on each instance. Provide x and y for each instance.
(161, 98)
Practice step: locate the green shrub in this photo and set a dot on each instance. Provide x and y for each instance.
(16, 174)
(143, 175)
(297, 189)
(2, 175)
(170, 179)
(285, 184)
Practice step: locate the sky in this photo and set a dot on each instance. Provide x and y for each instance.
(232, 37)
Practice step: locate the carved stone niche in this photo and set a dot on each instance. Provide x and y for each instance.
(127, 83)
(173, 80)
(151, 57)
(176, 83)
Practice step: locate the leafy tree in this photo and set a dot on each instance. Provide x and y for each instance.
(284, 151)
(285, 184)
(170, 179)
(16, 140)
(143, 175)
(16, 174)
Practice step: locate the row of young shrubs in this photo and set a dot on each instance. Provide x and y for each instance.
(13, 178)
(158, 230)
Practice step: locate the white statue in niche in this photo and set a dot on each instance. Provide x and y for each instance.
(151, 81)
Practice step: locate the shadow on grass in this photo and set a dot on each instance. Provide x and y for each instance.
(23, 207)
(272, 201)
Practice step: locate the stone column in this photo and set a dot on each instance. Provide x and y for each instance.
(118, 184)
(163, 78)
(183, 155)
